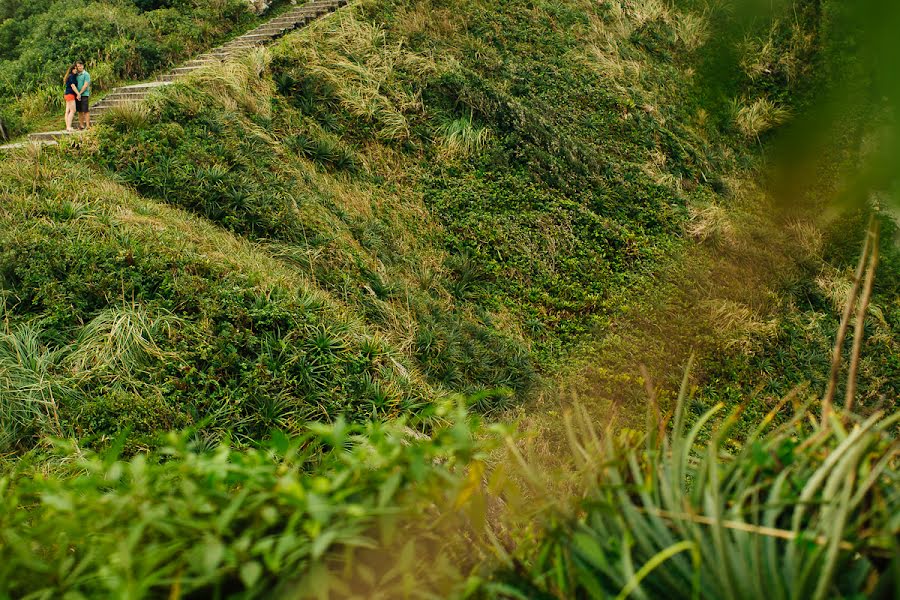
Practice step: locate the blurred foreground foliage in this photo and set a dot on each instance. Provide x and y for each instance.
(800, 510)
(200, 518)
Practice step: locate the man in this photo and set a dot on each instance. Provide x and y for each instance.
(83, 100)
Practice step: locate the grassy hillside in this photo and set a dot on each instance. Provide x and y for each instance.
(409, 212)
(461, 223)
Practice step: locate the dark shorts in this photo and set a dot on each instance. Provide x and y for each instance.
(83, 105)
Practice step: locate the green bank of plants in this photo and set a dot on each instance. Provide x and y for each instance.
(388, 171)
(411, 207)
(406, 201)
(800, 510)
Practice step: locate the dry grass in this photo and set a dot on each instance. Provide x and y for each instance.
(131, 115)
(763, 57)
(756, 117)
(739, 326)
(692, 29)
(711, 223)
(241, 84)
(809, 238)
(354, 58)
(461, 137)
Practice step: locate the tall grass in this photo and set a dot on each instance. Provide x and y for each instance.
(31, 386)
(120, 341)
(759, 116)
(37, 379)
(461, 137)
(357, 64)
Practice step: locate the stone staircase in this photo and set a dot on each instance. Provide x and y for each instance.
(262, 35)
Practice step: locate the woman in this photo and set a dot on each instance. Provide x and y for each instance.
(71, 94)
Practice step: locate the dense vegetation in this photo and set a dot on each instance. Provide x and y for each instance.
(767, 516)
(406, 214)
(119, 40)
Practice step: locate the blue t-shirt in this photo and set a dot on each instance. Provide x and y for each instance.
(70, 81)
(83, 77)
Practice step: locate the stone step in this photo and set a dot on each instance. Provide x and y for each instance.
(19, 145)
(117, 102)
(150, 85)
(275, 28)
(288, 21)
(253, 37)
(239, 42)
(291, 18)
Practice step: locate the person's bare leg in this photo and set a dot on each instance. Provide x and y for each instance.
(70, 115)
(87, 119)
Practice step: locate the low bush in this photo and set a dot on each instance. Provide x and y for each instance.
(195, 520)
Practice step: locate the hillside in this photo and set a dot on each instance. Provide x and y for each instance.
(317, 264)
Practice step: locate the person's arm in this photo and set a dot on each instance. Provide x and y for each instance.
(87, 83)
(74, 86)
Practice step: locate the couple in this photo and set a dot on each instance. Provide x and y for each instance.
(78, 95)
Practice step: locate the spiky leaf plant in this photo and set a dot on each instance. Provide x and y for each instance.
(805, 510)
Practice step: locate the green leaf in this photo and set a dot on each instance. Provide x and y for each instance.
(250, 573)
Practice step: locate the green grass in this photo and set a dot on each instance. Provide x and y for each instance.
(203, 518)
(481, 199)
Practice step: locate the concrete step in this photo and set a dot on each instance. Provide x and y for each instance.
(287, 21)
(274, 29)
(150, 85)
(18, 145)
(51, 136)
(109, 103)
(124, 97)
(201, 62)
(185, 70)
(258, 36)
(239, 43)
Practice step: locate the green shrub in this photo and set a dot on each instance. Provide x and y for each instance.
(257, 523)
(117, 411)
